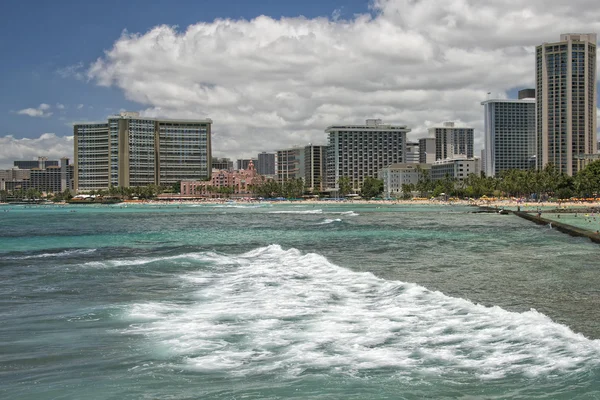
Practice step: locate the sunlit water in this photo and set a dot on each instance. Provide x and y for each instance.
(292, 301)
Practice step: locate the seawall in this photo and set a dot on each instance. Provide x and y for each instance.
(559, 226)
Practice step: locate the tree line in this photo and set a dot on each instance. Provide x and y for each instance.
(533, 184)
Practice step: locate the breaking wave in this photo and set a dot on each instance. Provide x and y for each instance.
(285, 312)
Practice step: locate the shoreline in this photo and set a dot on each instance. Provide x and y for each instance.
(565, 206)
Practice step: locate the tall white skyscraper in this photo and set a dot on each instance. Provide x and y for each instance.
(509, 133)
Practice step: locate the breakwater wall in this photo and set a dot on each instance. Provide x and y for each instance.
(559, 226)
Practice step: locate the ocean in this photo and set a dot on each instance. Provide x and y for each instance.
(259, 301)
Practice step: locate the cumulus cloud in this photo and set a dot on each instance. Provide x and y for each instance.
(47, 145)
(60, 106)
(41, 111)
(79, 106)
(271, 83)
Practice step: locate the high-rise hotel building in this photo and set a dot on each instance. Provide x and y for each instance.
(360, 151)
(451, 141)
(509, 133)
(315, 164)
(290, 164)
(130, 150)
(566, 100)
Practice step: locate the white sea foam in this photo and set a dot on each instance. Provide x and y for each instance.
(65, 253)
(297, 212)
(318, 211)
(350, 213)
(329, 221)
(285, 312)
(208, 257)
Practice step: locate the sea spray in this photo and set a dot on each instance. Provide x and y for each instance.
(283, 311)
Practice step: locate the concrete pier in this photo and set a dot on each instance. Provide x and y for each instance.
(559, 226)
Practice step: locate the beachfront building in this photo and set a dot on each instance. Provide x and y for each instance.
(290, 164)
(92, 156)
(566, 105)
(509, 133)
(315, 162)
(11, 176)
(51, 179)
(427, 150)
(451, 140)
(457, 168)
(360, 151)
(222, 164)
(396, 175)
(412, 152)
(238, 182)
(130, 150)
(266, 165)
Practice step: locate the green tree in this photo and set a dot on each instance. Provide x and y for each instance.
(344, 186)
(407, 190)
(371, 187)
(425, 185)
(587, 181)
(176, 187)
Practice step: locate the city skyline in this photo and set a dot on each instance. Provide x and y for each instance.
(270, 84)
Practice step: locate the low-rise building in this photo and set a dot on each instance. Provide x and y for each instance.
(396, 175)
(240, 183)
(457, 168)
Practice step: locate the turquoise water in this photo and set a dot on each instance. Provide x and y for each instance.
(584, 220)
(291, 301)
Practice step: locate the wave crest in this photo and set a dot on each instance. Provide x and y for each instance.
(284, 311)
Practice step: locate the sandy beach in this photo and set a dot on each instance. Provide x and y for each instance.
(499, 203)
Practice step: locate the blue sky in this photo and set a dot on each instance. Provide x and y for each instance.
(42, 37)
(267, 82)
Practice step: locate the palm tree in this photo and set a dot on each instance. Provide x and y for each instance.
(344, 186)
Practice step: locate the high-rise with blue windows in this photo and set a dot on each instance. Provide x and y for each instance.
(566, 104)
(509, 133)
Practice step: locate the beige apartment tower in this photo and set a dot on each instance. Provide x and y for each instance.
(566, 101)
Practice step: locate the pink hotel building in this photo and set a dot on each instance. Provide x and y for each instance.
(241, 182)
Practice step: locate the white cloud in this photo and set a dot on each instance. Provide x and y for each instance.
(72, 71)
(41, 111)
(269, 83)
(47, 145)
(79, 106)
(60, 106)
